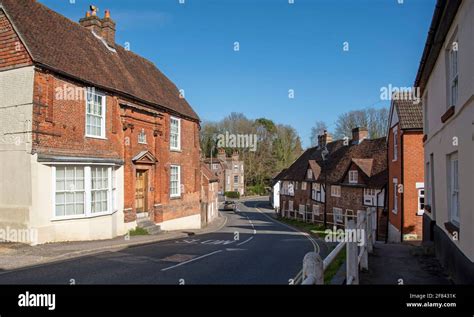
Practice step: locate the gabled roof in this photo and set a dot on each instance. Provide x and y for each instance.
(61, 45)
(315, 168)
(144, 157)
(409, 113)
(208, 174)
(369, 155)
(364, 164)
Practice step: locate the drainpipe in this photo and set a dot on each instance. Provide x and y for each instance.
(402, 195)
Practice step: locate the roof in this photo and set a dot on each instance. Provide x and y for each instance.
(61, 45)
(365, 165)
(369, 155)
(410, 114)
(443, 17)
(208, 173)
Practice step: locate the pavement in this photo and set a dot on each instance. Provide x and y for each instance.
(249, 247)
(403, 264)
(16, 255)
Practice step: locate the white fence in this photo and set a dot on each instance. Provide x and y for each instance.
(359, 240)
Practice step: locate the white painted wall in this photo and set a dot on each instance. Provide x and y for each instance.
(276, 194)
(440, 135)
(16, 110)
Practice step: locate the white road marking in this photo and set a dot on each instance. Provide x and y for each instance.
(248, 240)
(192, 260)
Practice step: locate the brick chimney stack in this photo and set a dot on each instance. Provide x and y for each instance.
(235, 156)
(359, 134)
(108, 29)
(324, 139)
(221, 155)
(92, 22)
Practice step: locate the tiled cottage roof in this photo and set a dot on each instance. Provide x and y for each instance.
(410, 114)
(365, 165)
(66, 47)
(369, 155)
(297, 171)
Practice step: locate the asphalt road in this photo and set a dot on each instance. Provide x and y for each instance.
(252, 248)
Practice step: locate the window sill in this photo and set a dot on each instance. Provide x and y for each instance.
(452, 228)
(79, 217)
(420, 213)
(96, 137)
(176, 150)
(448, 114)
(175, 197)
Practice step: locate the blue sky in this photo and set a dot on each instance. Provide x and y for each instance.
(282, 46)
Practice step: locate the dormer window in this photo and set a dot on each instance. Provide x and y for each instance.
(142, 137)
(353, 177)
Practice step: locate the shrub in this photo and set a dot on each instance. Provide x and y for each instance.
(234, 195)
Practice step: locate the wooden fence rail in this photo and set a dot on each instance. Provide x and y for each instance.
(359, 240)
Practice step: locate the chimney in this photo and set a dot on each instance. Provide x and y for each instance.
(108, 29)
(235, 156)
(324, 139)
(92, 22)
(221, 154)
(359, 134)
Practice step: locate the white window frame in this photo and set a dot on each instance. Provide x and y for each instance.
(142, 137)
(395, 196)
(176, 147)
(309, 174)
(395, 144)
(420, 188)
(453, 189)
(236, 182)
(338, 215)
(303, 185)
(453, 71)
(353, 177)
(290, 205)
(301, 209)
(335, 191)
(370, 196)
(236, 168)
(178, 187)
(111, 205)
(316, 210)
(92, 93)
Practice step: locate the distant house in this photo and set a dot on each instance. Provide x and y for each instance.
(275, 190)
(446, 81)
(209, 195)
(406, 188)
(334, 180)
(229, 170)
(94, 139)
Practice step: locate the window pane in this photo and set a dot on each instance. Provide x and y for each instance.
(59, 210)
(60, 198)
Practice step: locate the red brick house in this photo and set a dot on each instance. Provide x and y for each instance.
(97, 136)
(209, 195)
(406, 189)
(336, 179)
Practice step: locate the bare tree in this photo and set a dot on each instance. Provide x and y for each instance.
(318, 129)
(375, 120)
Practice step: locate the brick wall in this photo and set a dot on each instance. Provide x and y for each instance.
(59, 129)
(394, 171)
(13, 53)
(413, 158)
